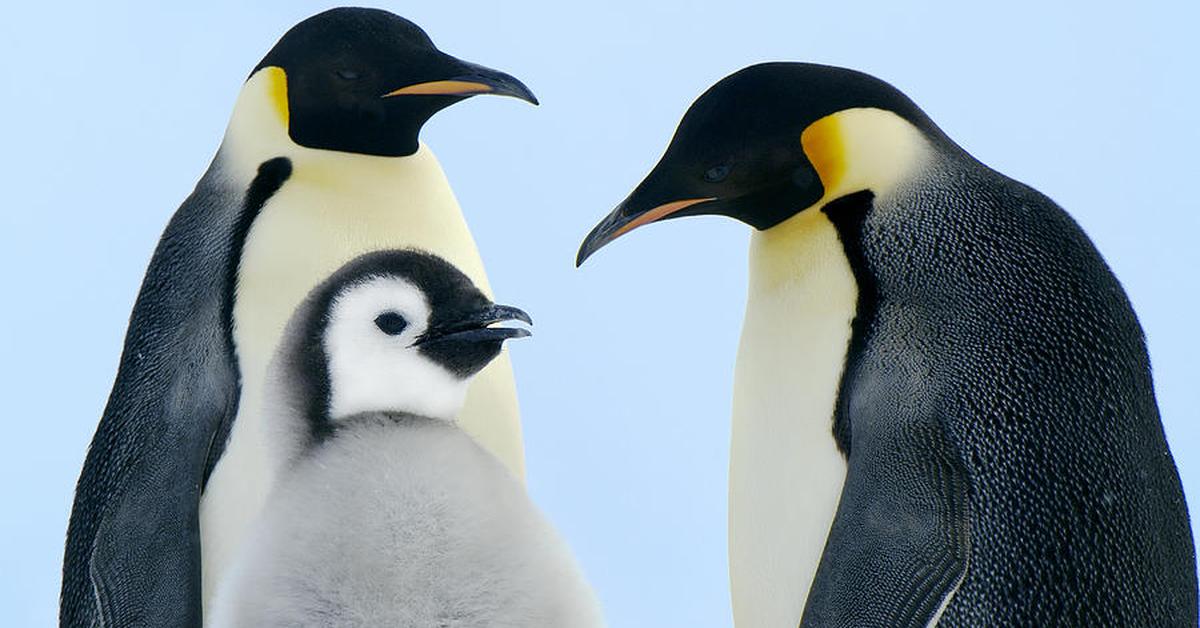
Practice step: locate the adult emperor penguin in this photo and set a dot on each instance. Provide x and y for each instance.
(321, 162)
(943, 409)
(384, 512)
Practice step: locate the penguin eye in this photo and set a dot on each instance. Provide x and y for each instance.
(717, 173)
(391, 323)
(349, 75)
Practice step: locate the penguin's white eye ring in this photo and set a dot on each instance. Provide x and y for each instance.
(349, 75)
(717, 173)
(391, 323)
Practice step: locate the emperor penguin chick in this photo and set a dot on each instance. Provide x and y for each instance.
(386, 513)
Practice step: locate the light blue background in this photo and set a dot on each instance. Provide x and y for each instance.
(112, 110)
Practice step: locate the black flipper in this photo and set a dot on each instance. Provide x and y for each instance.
(144, 565)
(900, 543)
(133, 546)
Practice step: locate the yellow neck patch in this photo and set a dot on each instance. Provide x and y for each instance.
(822, 143)
(863, 149)
(277, 91)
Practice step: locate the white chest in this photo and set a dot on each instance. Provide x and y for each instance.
(786, 474)
(328, 212)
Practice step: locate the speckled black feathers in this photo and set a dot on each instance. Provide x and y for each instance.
(1000, 422)
(133, 543)
(996, 407)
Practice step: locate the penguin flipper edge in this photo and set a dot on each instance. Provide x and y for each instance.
(144, 564)
(900, 543)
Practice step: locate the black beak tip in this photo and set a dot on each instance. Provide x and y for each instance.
(499, 313)
(516, 89)
(501, 83)
(518, 314)
(595, 240)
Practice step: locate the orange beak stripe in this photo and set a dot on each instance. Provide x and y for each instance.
(658, 213)
(445, 88)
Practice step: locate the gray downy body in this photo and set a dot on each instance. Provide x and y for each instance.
(386, 512)
(403, 521)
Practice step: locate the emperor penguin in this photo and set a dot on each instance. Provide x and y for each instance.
(943, 407)
(320, 163)
(385, 513)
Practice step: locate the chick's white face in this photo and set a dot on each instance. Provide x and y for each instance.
(373, 363)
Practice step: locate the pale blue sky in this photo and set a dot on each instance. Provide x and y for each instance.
(111, 111)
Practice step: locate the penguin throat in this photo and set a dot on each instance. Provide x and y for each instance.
(786, 471)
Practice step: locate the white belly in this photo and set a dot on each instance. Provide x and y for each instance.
(786, 474)
(335, 207)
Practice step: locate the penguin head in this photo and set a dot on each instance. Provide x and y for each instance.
(758, 146)
(366, 81)
(392, 331)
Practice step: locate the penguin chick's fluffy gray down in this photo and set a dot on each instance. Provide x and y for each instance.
(386, 513)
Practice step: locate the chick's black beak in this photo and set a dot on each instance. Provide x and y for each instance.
(629, 215)
(474, 327)
(462, 78)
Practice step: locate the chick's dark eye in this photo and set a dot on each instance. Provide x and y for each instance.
(349, 75)
(391, 323)
(717, 173)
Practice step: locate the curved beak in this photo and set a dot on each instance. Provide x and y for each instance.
(475, 327)
(463, 78)
(627, 217)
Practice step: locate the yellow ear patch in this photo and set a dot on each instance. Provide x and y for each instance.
(823, 144)
(864, 149)
(277, 91)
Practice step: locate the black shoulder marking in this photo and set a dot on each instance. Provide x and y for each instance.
(901, 539)
(847, 215)
(271, 176)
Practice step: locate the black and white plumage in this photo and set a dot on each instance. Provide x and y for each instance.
(385, 512)
(321, 162)
(943, 405)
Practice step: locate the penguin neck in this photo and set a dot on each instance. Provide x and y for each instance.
(786, 469)
(786, 472)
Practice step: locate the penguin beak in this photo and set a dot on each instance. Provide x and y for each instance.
(468, 79)
(474, 327)
(628, 216)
